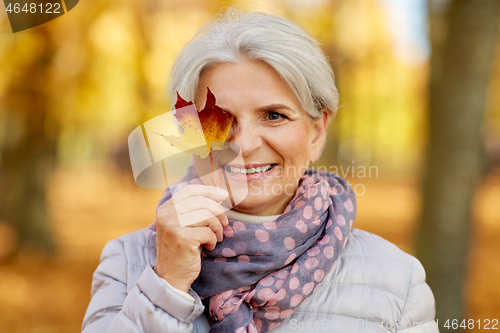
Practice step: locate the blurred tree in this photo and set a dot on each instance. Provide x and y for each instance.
(463, 35)
(29, 141)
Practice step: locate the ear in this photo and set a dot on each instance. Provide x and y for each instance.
(318, 140)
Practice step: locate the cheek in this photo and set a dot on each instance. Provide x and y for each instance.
(299, 143)
(292, 143)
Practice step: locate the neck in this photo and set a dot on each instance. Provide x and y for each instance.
(247, 218)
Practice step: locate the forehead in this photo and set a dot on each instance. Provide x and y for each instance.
(247, 81)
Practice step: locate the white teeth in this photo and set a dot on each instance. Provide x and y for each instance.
(251, 170)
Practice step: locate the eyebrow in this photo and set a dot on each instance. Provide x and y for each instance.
(269, 107)
(275, 107)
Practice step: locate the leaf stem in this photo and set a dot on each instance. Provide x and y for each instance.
(213, 162)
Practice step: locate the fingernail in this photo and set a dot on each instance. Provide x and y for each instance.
(222, 192)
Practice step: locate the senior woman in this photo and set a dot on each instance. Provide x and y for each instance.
(284, 258)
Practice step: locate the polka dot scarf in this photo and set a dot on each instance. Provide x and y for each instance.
(260, 273)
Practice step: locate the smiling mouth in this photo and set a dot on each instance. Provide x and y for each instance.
(250, 171)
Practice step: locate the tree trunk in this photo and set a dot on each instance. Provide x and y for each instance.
(464, 39)
(28, 147)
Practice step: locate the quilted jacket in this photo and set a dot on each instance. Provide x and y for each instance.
(373, 287)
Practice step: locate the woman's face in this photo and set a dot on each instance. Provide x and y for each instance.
(270, 127)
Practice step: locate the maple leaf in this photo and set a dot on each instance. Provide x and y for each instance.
(181, 102)
(215, 122)
(201, 129)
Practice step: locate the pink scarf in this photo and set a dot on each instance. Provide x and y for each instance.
(260, 273)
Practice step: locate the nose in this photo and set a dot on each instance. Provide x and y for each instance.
(246, 137)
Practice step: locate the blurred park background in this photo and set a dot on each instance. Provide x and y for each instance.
(420, 104)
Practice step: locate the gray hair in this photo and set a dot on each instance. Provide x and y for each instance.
(234, 35)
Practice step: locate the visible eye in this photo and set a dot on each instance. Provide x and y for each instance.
(273, 116)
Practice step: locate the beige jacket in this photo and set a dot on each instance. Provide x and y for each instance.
(373, 287)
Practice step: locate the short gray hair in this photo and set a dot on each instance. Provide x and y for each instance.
(234, 35)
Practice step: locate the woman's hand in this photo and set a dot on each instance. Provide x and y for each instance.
(193, 217)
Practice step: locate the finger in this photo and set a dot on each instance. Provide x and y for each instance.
(205, 236)
(200, 202)
(211, 192)
(174, 215)
(202, 218)
(223, 219)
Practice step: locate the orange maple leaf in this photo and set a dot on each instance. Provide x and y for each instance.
(216, 122)
(201, 129)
